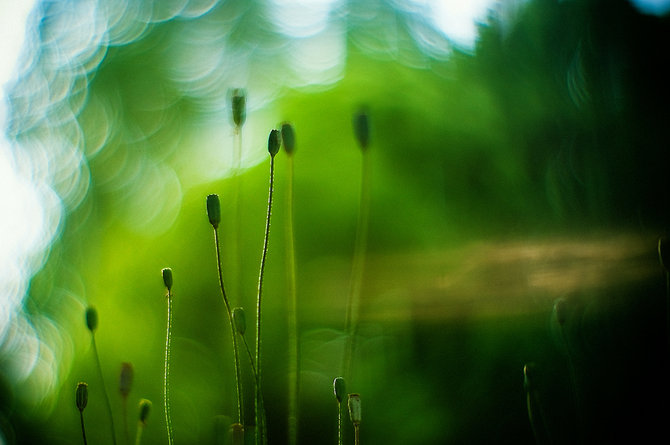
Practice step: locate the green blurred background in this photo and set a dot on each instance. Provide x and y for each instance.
(526, 167)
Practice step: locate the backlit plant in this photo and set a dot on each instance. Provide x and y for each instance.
(237, 319)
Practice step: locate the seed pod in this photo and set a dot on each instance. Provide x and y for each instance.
(237, 432)
(125, 379)
(274, 142)
(664, 253)
(355, 409)
(81, 396)
(91, 319)
(362, 129)
(560, 310)
(145, 409)
(288, 138)
(239, 105)
(240, 320)
(167, 278)
(214, 210)
(339, 389)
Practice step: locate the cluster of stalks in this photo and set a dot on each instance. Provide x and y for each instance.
(125, 385)
(237, 316)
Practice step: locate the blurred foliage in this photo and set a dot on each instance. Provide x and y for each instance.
(551, 134)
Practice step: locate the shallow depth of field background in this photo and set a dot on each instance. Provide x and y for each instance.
(515, 163)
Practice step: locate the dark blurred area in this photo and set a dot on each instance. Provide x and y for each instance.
(527, 168)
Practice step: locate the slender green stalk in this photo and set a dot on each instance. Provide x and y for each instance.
(340, 392)
(293, 357)
(253, 370)
(238, 378)
(236, 218)
(138, 435)
(274, 143)
(124, 408)
(358, 264)
(238, 101)
(166, 376)
(102, 381)
(83, 430)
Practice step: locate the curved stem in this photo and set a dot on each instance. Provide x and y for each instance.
(260, 423)
(83, 430)
(166, 375)
(102, 381)
(353, 302)
(238, 379)
(293, 359)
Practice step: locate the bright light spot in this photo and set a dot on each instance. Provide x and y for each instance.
(656, 7)
(302, 18)
(458, 19)
(21, 216)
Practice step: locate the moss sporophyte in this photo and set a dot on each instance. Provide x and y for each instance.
(213, 207)
(92, 325)
(144, 410)
(81, 400)
(237, 317)
(168, 281)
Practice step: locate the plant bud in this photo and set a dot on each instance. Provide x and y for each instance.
(362, 129)
(288, 138)
(126, 379)
(664, 253)
(81, 396)
(239, 104)
(237, 431)
(91, 319)
(145, 409)
(167, 278)
(339, 389)
(560, 310)
(214, 210)
(274, 142)
(240, 320)
(355, 409)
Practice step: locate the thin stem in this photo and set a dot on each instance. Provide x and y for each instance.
(102, 381)
(166, 376)
(253, 370)
(238, 378)
(138, 436)
(236, 217)
(259, 421)
(339, 423)
(83, 430)
(357, 434)
(125, 420)
(353, 302)
(293, 359)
